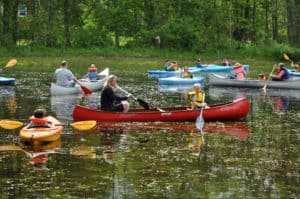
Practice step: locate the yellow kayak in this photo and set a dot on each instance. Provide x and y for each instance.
(42, 134)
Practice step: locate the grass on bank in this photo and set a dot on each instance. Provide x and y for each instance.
(260, 58)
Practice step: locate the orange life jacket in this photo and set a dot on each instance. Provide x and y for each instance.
(92, 69)
(39, 120)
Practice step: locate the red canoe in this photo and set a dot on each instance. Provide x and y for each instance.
(235, 110)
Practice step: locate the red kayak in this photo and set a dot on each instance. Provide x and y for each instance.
(235, 110)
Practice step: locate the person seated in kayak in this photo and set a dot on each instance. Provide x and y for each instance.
(196, 97)
(186, 73)
(110, 101)
(198, 64)
(167, 64)
(239, 72)
(283, 73)
(64, 77)
(225, 62)
(173, 66)
(39, 120)
(92, 73)
(296, 67)
(261, 77)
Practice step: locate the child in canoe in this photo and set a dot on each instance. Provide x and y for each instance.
(196, 97)
(92, 73)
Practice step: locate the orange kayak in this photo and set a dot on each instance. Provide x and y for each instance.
(42, 134)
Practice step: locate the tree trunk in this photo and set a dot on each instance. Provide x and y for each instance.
(67, 23)
(267, 10)
(6, 23)
(15, 21)
(275, 20)
(290, 20)
(50, 14)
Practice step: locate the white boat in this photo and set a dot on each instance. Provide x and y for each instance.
(91, 85)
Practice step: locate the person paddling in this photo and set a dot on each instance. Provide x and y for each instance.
(196, 97)
(283, 73)
(64, 77)
(109, 100)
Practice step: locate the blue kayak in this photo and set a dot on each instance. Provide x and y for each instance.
(294, 73)
(6, 81)
(210, 68)
(165, 73)
(180, 80)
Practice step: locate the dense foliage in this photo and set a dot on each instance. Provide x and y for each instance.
(196, 25)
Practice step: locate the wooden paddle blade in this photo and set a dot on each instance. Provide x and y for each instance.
(86, 90)
(143, 104)
(286, 57)
(10, 124)
(84, 125)
(11, 63)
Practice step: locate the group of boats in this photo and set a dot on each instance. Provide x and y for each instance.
(230, 111)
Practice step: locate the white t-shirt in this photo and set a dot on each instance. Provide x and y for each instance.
(64, 77)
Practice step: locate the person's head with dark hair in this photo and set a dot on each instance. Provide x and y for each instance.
(39, 113)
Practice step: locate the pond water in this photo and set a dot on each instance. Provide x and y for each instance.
(255, 158)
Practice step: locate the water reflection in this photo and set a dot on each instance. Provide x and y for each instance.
(239, 130)
(63, 105)
(7, 94)
(195, 142)
(37, 154)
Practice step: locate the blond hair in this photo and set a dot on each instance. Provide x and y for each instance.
(109, 80)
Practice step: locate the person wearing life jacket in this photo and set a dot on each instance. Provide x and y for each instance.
(39, 120)
(173, 66)
(92, 72)
(196, 97)
(296, 66)
(239, 71)
(198, 64)
(283, 73)
(186, 73)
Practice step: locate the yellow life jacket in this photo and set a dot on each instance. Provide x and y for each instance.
(298, 68)
(196, 97)
(186, 74)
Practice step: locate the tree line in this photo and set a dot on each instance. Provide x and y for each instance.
(197, 25)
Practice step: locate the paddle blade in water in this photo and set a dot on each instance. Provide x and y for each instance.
(285, 56)
(11, 63)
(10, 124)
(200, 122)
(84, 125)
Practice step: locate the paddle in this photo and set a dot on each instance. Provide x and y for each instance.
(286, 57)
(84, 88)
(81, 126)
(10, 63)
(265, 86)
(140, 101)
(200, 119)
